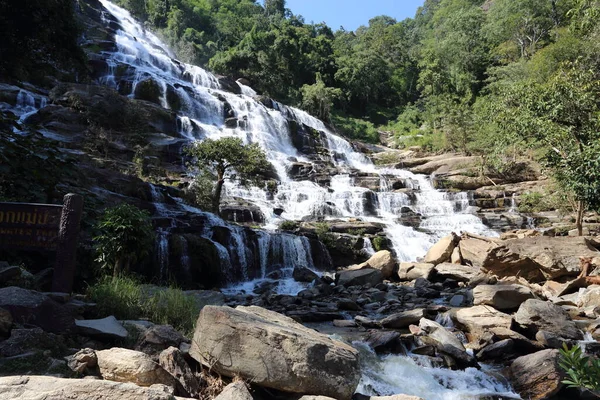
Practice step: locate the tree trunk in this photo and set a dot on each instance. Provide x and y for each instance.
(118, 267)
(579, 221)
(218, 192)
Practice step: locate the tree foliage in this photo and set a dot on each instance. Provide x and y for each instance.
(227, 158)
(583, 372)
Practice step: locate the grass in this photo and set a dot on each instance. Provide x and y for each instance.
(124, 298)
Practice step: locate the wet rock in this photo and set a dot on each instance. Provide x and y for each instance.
(344, 323)
(480, 319)
(537, 376)
(446, 343)
(408, 271)
(106, 328)
(52, 388)
(172, 360)
(33, 308)
(82, 360)
(461, 273)
(235, 391)
(535, 315)
(274, 351)
(123, 365)
(403, 319)
(366, 322)
(442, 250)
(502, 349)
(384, 262)
(501, 297)
(384, 342)
(361, 277)
(552, 340)
(457, 300)
(302, 274)
(348, 305)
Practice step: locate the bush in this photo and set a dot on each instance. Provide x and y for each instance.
(379, 243)
(288, 226)
(173, 307)
(583, 372)
(118, 296)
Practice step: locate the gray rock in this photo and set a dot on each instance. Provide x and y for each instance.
(123, 365)
(535, 315)
(360, 277)
(403, 319)
(537, 376)
(83, 359)
(480, 319)
(457, 300)
(461, 273)
(235, 391)
(501, 297)
(172, 360)
(408, 271)
(497, 351)
(106, 328)
(447, 343)
(302, 274)
(158, 338)
(9, 272)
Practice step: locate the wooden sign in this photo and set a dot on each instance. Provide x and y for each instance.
(45, 227)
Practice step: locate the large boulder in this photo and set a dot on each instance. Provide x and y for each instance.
(537, 315)
(51, 388)
(590, 297)
(173, 361)
(33, 308)
(359, 277)
(106, 328)
(461, 273)
(442, 250)
(474, 248)
(303, 274)
(480, 319)
(537, 376)
(501, 297)
(384, 262)
(403, 319)
(123, 365)
(409, 271)
(447, 343)
(274, 351)
(538, 258)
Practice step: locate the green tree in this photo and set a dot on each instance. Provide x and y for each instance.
(318, 99)
(125, 237)
(227, 158)
(583, 372)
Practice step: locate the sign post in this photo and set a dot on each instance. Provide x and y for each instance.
(45, 227)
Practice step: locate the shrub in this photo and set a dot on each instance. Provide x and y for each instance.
(288, 225)
(173, 307)
(531, 202)
(126, 236)
(582, 371)
(118, 296)
(379, 243)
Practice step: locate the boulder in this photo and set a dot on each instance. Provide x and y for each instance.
(456, 258)
(9, 272)
(537, 376)
(158, 338)
(33, 308)
(461, 273)
(384, 341)
(497, 351)
(538, 258)
(403, 319)
(359, 277)
(442, 250)
(384, 262)
(235, 391)
(480, 319)
(590, 297)
(106, 328)
(408, 271)
(557, 289)
(501, 297)
(27, 340)
(302, 274)
(83, 359)
(51, 388)
(447, 343)
(173, 361)
(123, 365)
(274, 351)
(536, 315)
(474, 248)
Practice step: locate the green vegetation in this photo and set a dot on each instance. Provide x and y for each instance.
(126, 298)
(379, 243)
(225, 158)
(582, 371)
(289, 225)
(125, 237)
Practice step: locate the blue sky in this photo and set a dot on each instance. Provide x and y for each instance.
(352, 13)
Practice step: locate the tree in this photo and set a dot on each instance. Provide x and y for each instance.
(318, 99)
(275, 7)
(125, 237)
(562, 116)
(227, 158)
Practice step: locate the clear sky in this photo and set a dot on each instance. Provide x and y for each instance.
(352, 13)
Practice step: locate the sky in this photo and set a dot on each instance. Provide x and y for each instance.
(352, 13)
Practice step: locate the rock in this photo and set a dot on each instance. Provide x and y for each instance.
(538, 258)
(456, 258)
(344, 323)
(123, 365)
(366, 322)
(403, 319)
(172, 360)
(501, 297)
(206, 297)
(348, 305)
(6, 322)
(557, 289)
(158, 338)
(83, 359)
(302, 274)
(360, 277)
(457, 300)
(445, 342)
(51, 388)
(590, 297)
(408, 271)
(535, 315)
(274, 351)
(537, 376)
(395, 397)
(442, 250)
(9, 272)
(474, 248)
(33, 308)
(480, 319)
(384, 341)
(106, 328)
(316, 398)
(497, 351)
(552, 340)
(384, 262)
(26, 340)
(461, 273)
(235, 391)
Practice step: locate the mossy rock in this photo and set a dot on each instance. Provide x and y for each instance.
(173, 99)
(148, 90)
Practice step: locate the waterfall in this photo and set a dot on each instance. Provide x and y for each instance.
(289, 136)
